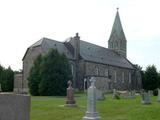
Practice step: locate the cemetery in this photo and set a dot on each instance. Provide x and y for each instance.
(51, 108)
(78, 80)
(84, 105)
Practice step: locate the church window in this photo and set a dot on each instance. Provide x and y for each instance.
(111, 44)
(97, 71)
(122, 45)
(122, 77)
(129, 77)
(106, 72)
(116, 44)
(72, 69)
(115, 76)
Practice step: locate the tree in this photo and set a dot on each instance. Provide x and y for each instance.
(49, 74)
(1, 72)
(159, 80)
(150, 78)
(34, 77)
(55, 72)
(6, 79)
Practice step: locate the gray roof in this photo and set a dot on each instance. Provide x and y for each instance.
(88, 51)
(95, 53)
(38, 43)
(48, 44)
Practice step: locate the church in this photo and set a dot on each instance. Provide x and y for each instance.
(109, 65)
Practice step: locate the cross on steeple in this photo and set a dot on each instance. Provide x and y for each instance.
(117, 8)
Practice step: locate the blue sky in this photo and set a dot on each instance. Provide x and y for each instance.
(24, 22)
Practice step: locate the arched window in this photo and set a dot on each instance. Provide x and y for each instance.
(116, 44)
(115, 76)
(97, 71)
(129, 77)
(106, 72)
(72, 69)
(122, 77)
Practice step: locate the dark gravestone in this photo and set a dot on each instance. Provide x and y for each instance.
(70, 102)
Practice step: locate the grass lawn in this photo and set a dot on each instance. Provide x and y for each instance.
(51, 108)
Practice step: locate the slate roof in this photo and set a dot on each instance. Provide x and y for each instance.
(98, 54)
(88, 52)
(49, 43)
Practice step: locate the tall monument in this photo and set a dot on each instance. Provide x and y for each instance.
(91, 113)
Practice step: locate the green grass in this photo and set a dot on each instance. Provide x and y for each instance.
(51, 108)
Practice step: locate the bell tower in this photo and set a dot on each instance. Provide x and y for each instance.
(117, 40)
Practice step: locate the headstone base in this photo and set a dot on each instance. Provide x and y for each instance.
(92, 116)
(146, 103)
(71, 105)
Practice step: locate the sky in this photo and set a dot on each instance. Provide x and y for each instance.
(23, 22)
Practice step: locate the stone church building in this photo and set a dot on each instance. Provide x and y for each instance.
(109, 65)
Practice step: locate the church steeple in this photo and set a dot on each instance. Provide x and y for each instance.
(117, 40)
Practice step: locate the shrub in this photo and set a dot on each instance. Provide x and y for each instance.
(150, 78)
(155, 92)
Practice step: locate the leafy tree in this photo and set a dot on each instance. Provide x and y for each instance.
(6, 79)
(159, 80)
(34, 77)
(55, 72)
(150, 78)
(49, 74)
(1, 72)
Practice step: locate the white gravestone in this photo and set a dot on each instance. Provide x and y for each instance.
(114, 93)
(100, 95)
(91, 113)
(146, 98)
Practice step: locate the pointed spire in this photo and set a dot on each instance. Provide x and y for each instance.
(117, 40)
(117, 27)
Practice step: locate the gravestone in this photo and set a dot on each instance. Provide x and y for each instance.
(130, 95)
(70, 102)
(18, 83)
(158, 98)
(91, 113)
(99, 95)
(150, 92)
(115, 94)
(146, 98)
(14, 107)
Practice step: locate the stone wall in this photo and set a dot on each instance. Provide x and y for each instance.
(28, 60)
(115, 77)
(14, 107)
(18, 83)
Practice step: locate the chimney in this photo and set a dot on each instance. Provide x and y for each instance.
(76, 47)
